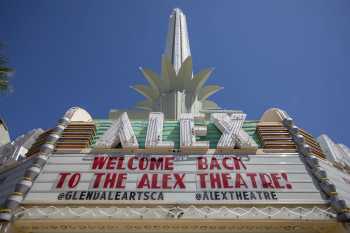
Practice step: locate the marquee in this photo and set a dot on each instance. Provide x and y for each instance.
(174, 179)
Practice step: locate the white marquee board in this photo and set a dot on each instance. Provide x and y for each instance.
(168, 179)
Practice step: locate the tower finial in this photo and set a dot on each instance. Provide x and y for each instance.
(176, 90)
(177, 43)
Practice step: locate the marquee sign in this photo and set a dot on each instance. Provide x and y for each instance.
(170, 179)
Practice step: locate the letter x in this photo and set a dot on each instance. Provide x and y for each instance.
(232, 132)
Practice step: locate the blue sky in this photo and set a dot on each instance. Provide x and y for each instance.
(294, 55)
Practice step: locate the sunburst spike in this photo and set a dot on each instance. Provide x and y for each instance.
(185, 73)
(199, 79)
(207, 91)
(208, 104)
(145, 105)
(152, 78)
(168, 73)
(146, 91)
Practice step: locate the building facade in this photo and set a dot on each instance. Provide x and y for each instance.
(176, 163)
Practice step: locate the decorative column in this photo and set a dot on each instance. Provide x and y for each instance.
(24, 185)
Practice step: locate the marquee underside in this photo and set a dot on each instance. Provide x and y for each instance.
(155, 225)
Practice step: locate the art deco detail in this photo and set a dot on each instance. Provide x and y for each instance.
(176, 90)
(154, 137)
(191, 212)
(120, 132)
(185, 90)
(232, 133)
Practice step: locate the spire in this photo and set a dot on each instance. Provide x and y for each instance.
(176, 90)
(177, 43)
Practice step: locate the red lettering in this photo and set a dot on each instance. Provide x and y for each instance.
(97, 180)
(143, 163)
(156, 163)
(121, 180)
(165, 183)
(143, 182)
(266, 180)
(110, 180)
(225, 165)
(238, 162)
(62, 179)
(225, 180)
(111, 163)
(202, 163)
(252, 177)
(120, 164)
(275, 179)
(240, 181)
(179, 180)
(169, 163)
(215, 181)
(285, 177)
(155, 182)
(74, 180)
(214, 163)
(131, 163)
(202, 182)
(229, 163)
(99, 162)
